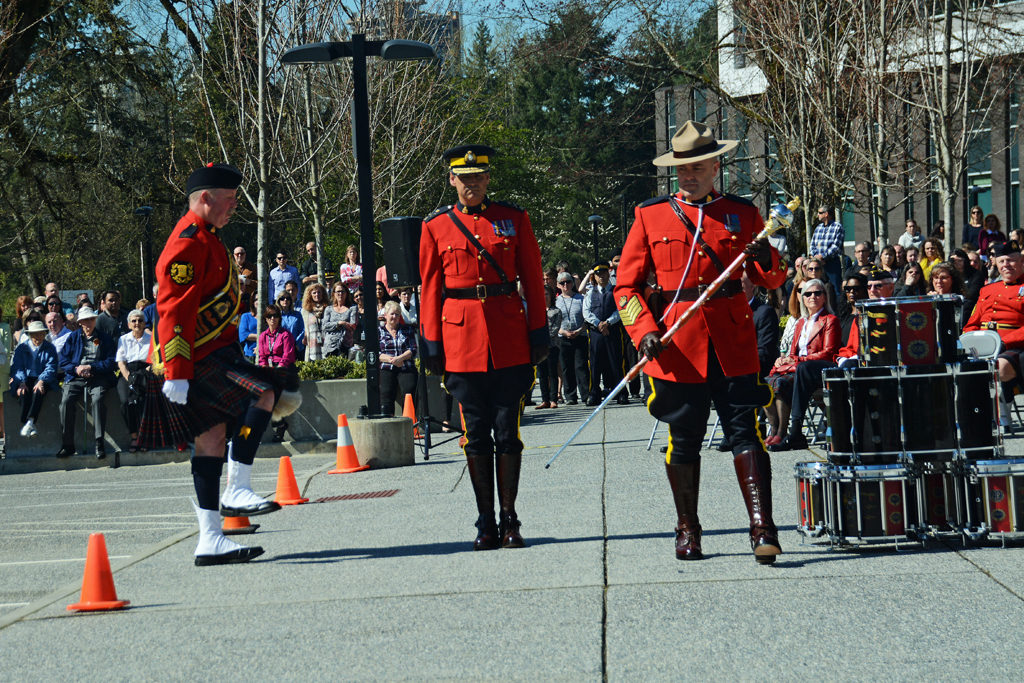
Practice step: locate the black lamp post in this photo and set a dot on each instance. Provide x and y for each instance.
(595, 221)
(359, 49)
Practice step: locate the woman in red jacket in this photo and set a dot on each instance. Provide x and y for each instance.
(816, 337)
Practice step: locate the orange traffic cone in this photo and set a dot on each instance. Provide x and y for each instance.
(238, 525)
(409, 411)
(98, 591)
(347, 461)
(287, 487)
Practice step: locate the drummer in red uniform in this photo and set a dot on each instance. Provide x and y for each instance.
(713, 357)
(1000, 307)
(204, 385)
(474, 258)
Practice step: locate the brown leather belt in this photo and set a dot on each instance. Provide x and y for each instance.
(999, 326)
(730, 288)
(481, 291)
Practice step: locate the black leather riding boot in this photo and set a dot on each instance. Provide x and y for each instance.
(754, 473)
(508, 489)
(685, 482)
(481, 474)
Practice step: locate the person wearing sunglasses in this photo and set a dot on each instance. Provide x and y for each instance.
(815, 337)
(281, 274)
(807, 378)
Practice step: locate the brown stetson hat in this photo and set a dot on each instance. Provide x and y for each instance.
(694, 142)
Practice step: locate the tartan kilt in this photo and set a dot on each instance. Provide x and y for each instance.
(222, 387)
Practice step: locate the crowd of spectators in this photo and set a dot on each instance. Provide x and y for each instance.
(87, 348)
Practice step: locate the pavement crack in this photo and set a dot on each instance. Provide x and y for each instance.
(985, 572)
(604, 548)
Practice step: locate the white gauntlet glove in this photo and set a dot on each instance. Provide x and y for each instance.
(176, 390)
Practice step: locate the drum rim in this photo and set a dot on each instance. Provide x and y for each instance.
(940, 298)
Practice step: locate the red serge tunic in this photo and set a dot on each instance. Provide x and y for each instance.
(659, 244)
(1000, 307)
(198, 302)
(467, 331)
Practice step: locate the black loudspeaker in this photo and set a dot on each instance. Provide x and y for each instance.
(401, 239)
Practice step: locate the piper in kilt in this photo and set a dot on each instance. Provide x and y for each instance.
(204, 389)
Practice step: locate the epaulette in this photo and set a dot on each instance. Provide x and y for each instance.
(510, 205)
(738, 199)
(655, 200)
(443, 209)
(189, 232)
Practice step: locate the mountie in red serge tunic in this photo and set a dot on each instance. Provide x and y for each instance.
(660, 243)
(198, 303)
(1000, 307)
(467, 331)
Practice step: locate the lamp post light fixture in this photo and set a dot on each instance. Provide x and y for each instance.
(358, 49)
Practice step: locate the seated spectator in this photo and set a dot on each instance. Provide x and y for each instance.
(945, 279)
(31, 314)
(280, 275)
(992, 232)
(912, 236)
(973, 279)
(51, 291)
(1001, 308)
(913, 281)
(82, 299)
(815, 338)
(87, 361)
(863, 256)
(112, 321)
(314, 303)
(132, 360)
(854, 289)
(22, 305)
(351, 272)
(292, 321)
(309, 266)
(59, 332)
(1017, 235)
(813, 268)
(410, 309)
(933, 253)
(34, 372)
(276, 348)
(938, 230)
(71, 322)
(911, 255)
(397, 350)
(888, 260)
(149, 312)
(140, 306)
(248, 333)
(336, 324)
(53, 303)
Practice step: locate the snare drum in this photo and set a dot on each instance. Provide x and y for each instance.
(994, 496)
(937, 493)
(909, 330)
(873, 503)
(810, 497)
(913, 414)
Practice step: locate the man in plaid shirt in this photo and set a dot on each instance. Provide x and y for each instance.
(827, 245)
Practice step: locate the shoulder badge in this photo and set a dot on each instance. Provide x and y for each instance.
(443, 209)
(189, 232)
(182, 273)
(630, 310)
(738, 199)
(510, 205)
(655, 200)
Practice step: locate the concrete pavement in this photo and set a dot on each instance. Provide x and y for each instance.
(387, 587)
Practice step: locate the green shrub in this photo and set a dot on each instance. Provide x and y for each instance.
(332, 367)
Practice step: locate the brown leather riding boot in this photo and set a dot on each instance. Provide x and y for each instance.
(481, 474)
(754, 472)
(685, 482)
(508, 489)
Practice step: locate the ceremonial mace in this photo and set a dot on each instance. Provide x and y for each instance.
(781, 216)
